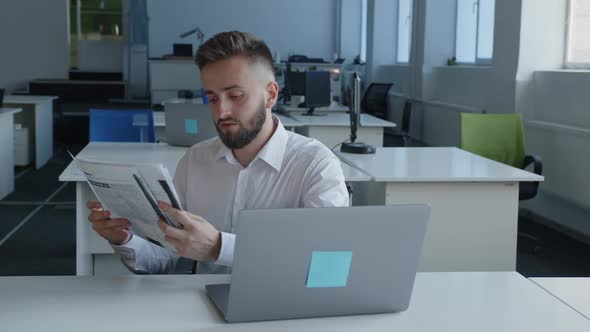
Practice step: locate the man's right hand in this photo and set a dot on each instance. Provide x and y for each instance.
(116, 231)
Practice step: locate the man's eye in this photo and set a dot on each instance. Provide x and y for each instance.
(234, 97)
(212, 99)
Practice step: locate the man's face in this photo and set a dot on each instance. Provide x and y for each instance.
(238, 100)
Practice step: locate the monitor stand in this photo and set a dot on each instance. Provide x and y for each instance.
(311, 113)
(357, 148)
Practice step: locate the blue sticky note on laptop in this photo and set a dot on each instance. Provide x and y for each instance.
(329, 269)
(191, 126)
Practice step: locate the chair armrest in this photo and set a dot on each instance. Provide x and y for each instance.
(537, 164)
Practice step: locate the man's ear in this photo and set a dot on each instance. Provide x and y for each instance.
(271, 94)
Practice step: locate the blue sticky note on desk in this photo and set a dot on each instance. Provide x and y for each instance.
(191, 126)
(329, 269)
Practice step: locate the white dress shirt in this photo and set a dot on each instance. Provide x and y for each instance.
(290, 171)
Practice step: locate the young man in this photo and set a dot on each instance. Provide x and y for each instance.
(254, 163)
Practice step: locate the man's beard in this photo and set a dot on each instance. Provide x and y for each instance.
(246, 134)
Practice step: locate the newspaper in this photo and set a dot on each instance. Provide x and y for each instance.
(131, 191)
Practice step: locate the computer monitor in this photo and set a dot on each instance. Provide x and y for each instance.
(184, 50)
(295, 83)
(317, 90)
(355, 122)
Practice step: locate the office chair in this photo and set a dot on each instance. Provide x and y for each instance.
(122, 126)
(500, 137)
(403, 133)
(374, 101)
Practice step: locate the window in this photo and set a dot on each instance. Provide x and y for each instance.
(404, 30)
(363, 55)
(94, 20)
(578, 39)
(474, 43)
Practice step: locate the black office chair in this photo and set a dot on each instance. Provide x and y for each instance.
(374, 101)
(529, 239)
(403, 133)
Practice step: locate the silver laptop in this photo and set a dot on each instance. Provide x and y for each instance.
(315, 262)
(189, 125)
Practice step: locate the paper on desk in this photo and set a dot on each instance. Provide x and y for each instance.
(127, 190)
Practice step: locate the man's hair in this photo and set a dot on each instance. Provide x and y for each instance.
(228, 44)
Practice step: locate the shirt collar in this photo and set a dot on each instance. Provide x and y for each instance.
(272, 152)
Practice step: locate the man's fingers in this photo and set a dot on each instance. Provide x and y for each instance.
(176, 243)
(177, 214)
(172, 232)
(93, 205)
(107, 224)
(169, 209)
(112, 231)
(99, 215)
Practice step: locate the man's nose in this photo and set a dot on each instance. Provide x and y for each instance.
(223, 109)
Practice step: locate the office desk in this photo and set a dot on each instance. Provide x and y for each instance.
(7, 150)
(334, 107)
(79, 90)
(461, 302)
(160, 120)
(473, 200)
(88, 243)
(37, 115)
(334, 128)
(160, 123)
(575, 292)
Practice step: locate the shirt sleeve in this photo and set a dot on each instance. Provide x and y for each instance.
(325, 186)
(143, 256)
(226, 254)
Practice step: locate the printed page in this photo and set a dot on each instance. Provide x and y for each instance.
(131, 191)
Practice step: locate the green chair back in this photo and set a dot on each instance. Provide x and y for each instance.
(499, 137)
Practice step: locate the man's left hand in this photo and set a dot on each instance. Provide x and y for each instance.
(197, 240)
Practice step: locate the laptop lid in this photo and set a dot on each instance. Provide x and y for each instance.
(188, 124)
(313, 262)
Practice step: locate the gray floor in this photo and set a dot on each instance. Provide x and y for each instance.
(45, 243)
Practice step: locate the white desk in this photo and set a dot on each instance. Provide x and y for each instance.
(575, 292)
(88, 243)
(473, 200)
(37, 115)
(334, 128)
(334, 107)
(462, 302)
(160, 122)
(7, 150)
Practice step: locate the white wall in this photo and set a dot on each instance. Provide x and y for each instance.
(381, 26)
(439, 39)
(302, 27)
(101, 55)
(542, 33)
(350, 29)
(554, 102)
(34, 37)
(489, 87)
